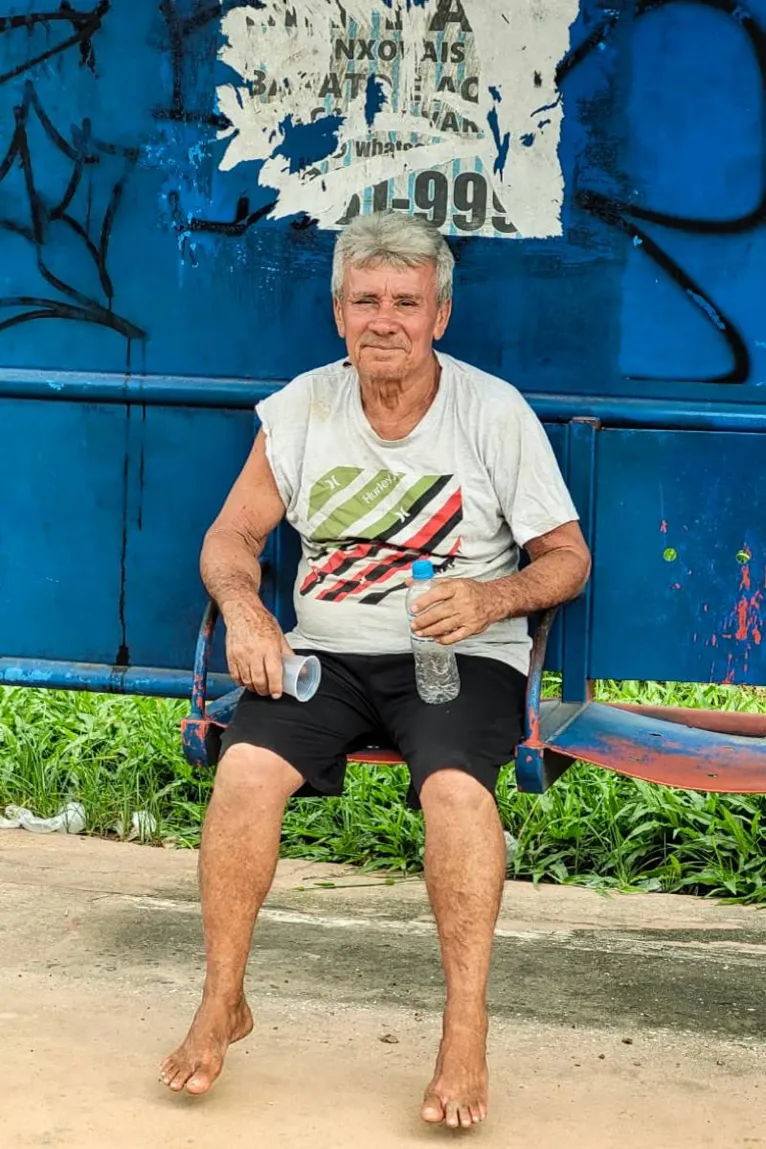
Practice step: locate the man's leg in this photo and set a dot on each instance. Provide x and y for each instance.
(454, 753)
(465, 865)
(238, 856)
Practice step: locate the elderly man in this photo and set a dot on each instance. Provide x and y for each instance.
(394, 453)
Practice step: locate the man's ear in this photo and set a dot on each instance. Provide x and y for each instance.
(338, 313)
(442, 319)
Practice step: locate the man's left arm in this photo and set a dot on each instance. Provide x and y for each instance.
(456, 609)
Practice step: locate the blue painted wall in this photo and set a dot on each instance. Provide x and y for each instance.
(140, 287)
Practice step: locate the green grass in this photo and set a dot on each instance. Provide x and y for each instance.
(115, 755)
(118, 755)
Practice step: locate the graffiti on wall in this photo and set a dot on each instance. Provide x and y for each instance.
(190, 31)
(631, 218)
(447, 109)
(89, 171)
(66, 29)
(181, 27)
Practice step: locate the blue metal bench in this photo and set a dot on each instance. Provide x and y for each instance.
(694, 749)
(689, 748)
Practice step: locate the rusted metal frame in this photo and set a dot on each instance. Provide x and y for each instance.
(202, 660)
(744, 725)
(535, 680)
(194, 729)
(376, 758)
(537, 767)
(669, 753)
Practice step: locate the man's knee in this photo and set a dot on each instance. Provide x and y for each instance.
(247, 771)
(452, 788)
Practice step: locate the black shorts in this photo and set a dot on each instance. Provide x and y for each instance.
(371, 700)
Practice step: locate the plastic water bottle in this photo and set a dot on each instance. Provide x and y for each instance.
(436, 674)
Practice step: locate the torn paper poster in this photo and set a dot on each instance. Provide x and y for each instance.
(446, 108)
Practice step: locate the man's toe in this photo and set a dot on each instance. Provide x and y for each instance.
(168, 1070)
(201, 1080)
(464, 1113)
(433, 1110)
(179, 1080)
(451, 1115)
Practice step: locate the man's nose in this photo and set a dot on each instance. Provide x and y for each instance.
(384, 322)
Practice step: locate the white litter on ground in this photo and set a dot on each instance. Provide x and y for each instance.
(70, 820)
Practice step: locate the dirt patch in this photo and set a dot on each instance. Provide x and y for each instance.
(617, 1022)
(79, 1073)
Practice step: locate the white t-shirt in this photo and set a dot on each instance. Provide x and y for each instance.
(473, 482)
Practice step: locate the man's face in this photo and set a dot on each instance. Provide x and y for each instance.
(389, 318)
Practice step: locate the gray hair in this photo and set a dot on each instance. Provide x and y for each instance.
(395, 239)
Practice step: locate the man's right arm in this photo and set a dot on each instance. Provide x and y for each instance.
(231, 572)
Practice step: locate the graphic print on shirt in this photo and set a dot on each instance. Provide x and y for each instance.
(366, 528)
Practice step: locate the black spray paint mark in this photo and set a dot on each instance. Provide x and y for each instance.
(181, 29)
(83, 26)
(85, 153)
(622, 215)
(243, 220)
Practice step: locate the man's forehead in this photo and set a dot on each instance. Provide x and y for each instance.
(382, 279)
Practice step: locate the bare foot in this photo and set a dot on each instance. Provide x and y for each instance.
(457, 1096)
(199, 1060)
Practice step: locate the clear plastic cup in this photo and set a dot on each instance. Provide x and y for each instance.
(301, 675)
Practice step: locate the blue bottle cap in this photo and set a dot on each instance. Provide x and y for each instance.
(422, 569)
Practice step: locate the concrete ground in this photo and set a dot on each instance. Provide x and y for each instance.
(618, 1022)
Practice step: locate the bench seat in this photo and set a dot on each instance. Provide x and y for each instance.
(687, 748)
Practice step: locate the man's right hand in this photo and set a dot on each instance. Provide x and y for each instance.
(255, 645)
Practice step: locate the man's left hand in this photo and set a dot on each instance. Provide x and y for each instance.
(454, 609)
